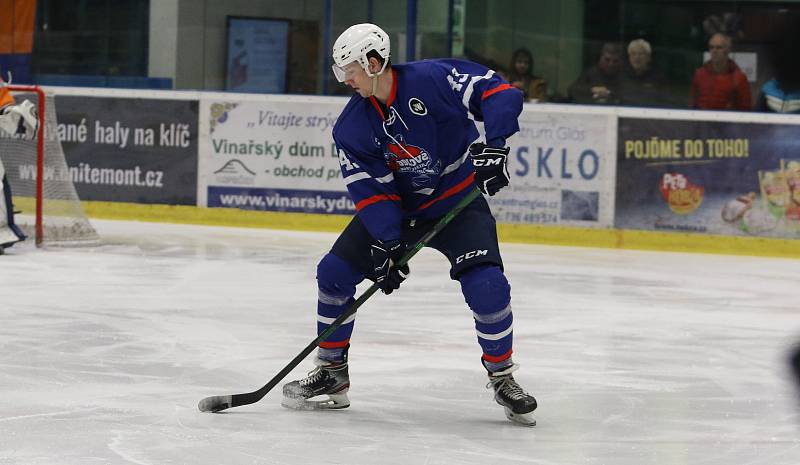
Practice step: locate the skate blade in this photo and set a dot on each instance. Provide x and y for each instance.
(333, 402)
(525, 419)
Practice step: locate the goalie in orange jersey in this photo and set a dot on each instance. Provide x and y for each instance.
(16, 120)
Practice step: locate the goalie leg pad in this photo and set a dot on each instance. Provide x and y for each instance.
(9, 231)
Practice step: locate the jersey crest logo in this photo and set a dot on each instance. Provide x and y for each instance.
(417, 107)
(413, 160)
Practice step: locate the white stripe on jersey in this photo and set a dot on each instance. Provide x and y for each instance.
(471, 88)
(456, 164)
(364, 175)
(327, 321)
(495, 337)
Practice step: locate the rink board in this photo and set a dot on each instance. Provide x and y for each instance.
(580, 175)
(519, 233)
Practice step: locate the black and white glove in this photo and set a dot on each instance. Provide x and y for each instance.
(384, 256)
(490, 163)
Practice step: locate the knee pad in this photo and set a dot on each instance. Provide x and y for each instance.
(485, 288)
(336, 276)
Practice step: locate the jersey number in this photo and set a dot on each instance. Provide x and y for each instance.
(345, 162)
(457, 79)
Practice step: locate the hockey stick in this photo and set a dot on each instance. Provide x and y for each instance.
(219, 403)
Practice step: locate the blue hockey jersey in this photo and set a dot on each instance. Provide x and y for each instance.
(409, 158)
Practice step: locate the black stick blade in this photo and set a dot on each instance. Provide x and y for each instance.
(215, 404)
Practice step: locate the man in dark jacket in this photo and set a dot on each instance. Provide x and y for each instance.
(601, 83)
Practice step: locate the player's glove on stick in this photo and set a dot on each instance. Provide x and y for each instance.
(490, 163)
(384, 255)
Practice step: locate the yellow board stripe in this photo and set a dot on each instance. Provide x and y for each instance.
(650, 240)
(520, 233)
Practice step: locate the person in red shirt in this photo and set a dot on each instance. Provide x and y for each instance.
(719, 84)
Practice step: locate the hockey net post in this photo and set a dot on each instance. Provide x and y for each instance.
(41, 182)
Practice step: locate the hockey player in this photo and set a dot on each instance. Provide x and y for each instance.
(15, 121)
(413, 142)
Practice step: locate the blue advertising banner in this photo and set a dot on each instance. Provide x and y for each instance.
(708, 177)
(282, 200)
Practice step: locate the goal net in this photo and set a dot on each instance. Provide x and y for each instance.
(40, 180)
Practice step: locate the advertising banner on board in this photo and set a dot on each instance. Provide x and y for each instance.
(709, 177)
(562, 170)
(277, 154)
(141, 150)
(271, 154)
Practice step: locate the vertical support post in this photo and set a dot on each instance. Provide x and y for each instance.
(450, 8)
(41, 108)
(326, 39)
(40, 166)
(411, 30)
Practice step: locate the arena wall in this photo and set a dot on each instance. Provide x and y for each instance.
(673, 180)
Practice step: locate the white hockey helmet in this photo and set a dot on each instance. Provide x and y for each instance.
(354, 44)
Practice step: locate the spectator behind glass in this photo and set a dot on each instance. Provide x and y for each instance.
(521, 76)
(601, 83)
(781, 94)
(643, 85)
(719, 84)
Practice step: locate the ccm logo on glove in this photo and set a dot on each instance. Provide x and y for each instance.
(487, 162)
(491, 172)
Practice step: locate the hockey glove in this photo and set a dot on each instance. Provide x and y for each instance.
(491, 171)
(384, 256)
(20, 119)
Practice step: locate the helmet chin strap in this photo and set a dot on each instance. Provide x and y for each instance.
(375, 80)
(375, 84)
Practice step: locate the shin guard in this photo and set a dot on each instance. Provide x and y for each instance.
(488, 294)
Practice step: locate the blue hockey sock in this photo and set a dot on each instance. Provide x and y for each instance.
(336, 281)
(488, 295)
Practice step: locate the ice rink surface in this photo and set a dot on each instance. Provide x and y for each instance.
(635, 357)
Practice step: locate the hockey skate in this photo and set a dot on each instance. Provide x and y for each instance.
(518, 404)
(328, 379)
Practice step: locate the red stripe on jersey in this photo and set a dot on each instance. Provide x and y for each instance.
(334, 345)
(499, 358)
(390, 100)
(377, 106)
(497, 89)
(450, 192)
(393, 93)
(376, 198)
